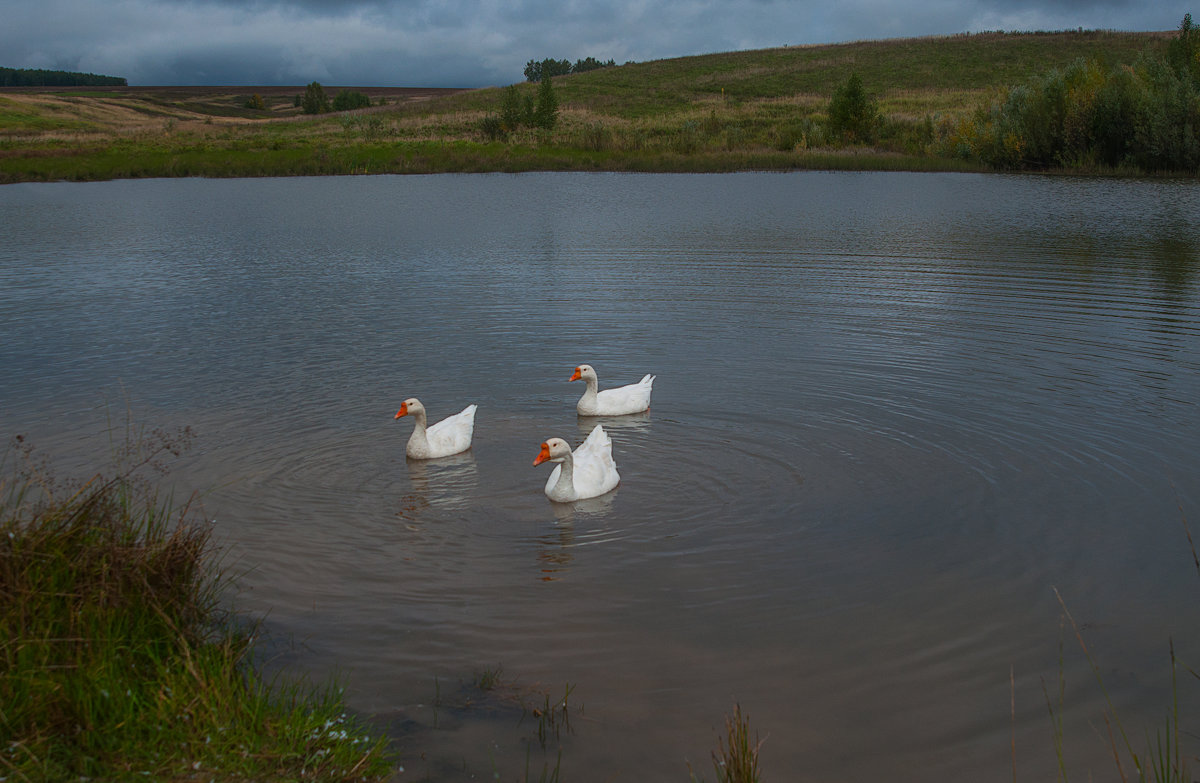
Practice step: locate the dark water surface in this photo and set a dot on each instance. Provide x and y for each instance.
(893, 412)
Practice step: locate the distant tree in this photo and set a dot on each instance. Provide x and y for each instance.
(297, 102)
(853, 115)
(535, 70)
(255, 101)
(1184, 50)
(347, 100)
(545, 112)
(590, 64)
(549, 67)
(314, 101)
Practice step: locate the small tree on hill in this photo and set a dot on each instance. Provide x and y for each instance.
(545, 112)
(512, 114)
(314, 100)
(853, 114)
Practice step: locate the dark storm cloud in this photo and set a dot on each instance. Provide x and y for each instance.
(481, 42)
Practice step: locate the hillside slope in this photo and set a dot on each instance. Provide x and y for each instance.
(714, 112)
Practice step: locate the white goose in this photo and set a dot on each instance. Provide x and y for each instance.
(587, 473)
(449, 436)
(620, 401)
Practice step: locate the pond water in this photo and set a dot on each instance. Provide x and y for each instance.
(893, 414)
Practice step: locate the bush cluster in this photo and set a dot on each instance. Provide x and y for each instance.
(519, 110)
(346, 100)
(315, 101)
(1146, 115)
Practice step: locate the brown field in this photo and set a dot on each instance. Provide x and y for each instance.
(49, 112)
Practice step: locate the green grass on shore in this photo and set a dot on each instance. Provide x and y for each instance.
(117, 663)
(760, 109)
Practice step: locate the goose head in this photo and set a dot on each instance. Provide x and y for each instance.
(584, 372)
(553, 450)
(410, 406)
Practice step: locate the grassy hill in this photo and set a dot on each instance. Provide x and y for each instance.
(893, 69)
(735, 110)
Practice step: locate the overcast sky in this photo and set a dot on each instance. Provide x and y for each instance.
(473, 43)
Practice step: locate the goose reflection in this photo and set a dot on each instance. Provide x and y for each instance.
(631, 423)
(567, 513)
(554, 551)
(445, 482)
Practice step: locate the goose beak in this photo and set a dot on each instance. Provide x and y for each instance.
(403, 410)
(543, 455)
(576, 376)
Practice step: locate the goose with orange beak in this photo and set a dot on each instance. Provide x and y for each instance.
(621, 401)
(451, 435)
(588, 472)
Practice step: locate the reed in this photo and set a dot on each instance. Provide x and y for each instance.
(117, 660)
(1161, 762)
(736, 758)
(488, 679)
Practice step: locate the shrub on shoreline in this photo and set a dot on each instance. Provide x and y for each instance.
(117, 660)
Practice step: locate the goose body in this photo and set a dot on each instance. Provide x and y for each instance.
(588, 472)
(619, 401)
(451, 435)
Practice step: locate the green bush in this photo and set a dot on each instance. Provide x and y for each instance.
(1168, 137)
(346, 100)
(853, 115)
(493, 128)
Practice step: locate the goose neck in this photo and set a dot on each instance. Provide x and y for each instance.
(566, 477)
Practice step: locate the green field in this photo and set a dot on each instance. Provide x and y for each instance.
(764, 109)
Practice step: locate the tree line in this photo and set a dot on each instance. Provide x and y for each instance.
(1145, 115)
(37, 77)
(535, 70)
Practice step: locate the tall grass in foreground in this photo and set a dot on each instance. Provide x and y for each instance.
(1161, 762)
(736, 758)
(116, 661)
